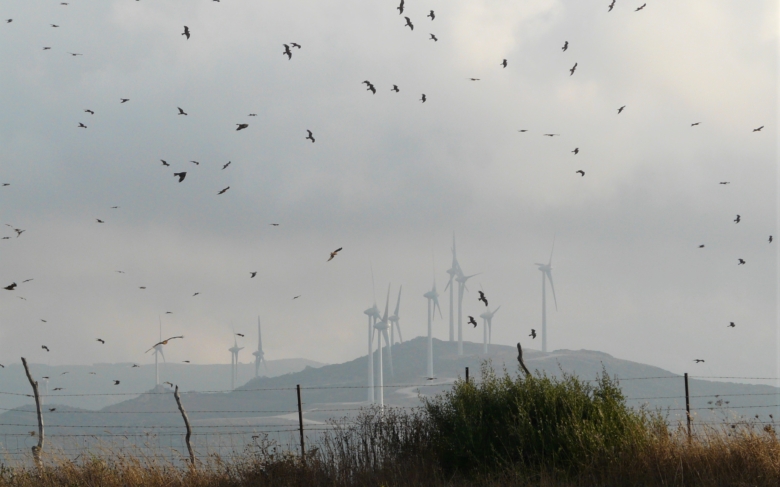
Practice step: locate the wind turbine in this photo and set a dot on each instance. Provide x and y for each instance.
(373, 316)
(461, 279)
(487, 321)
(381, 328)
(453, 271)
(395, 323)
(259, 354)
(433, 302)
(234, 362)
(546, 270)
(158, 350)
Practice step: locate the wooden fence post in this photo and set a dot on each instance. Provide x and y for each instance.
(300, 422)
(186, 423)
(688, 407)
(467, 375)
(37, 449)
(520, 359)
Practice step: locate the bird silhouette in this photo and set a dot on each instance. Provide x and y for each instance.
(274, 224)
(611, 6)
(195, 294)
(770, 239)
(54, 25)
(57, 389)
(432, 15)
(620, 110)
(9, 21)
(226, 165)
(89, 111)
(409, 23)
(475, 79)
(81, 126)
(196, 163)
(565, 46)
(164, 342)
(223, 191)
(695, 124)
(371, 88)
(741, 262)
(523, 130)
(51, 410)
(46, 48)
(241, 335)
(701, 246)
(10, 287)
(296, 297)
(134, 366)
(252, 114)
(637, 10)
(101, 341)
(576, 150)
(434, 38)
(472, 321)
(503, 63)
(242, 126)
(550, 135)
(400, 8)
(533, 334)
(252, 274)
(181, 112)
(573, 69)
(186, 361)
(482, 298)
(45, 347)
(295, 44)
(116, 382)
(26, 280)
(732, 325)
(698, 360)
(334, 253)
(725, 182)
(99, 220)
(758, 129)
(737, 219)
(287, 52)
(186, 32)
(424, 98)
(123, 100)
(180, 175)
(580, 172)
(310, 136)
(395, 88)
(164, 163)
(74, 54)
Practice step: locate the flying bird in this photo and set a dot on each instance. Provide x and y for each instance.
(695, 124)
(186, 361)
(482, 298)
(434, 38)
(409, 23)
(223, 191)
(533, 334)
(611, 6)
(400, 8)
(725, 182)
(620, 110)
(474, 79)
(9, 21)
(741, 262)
(565, 46)
(432, 15)
(164, 342)
(580, 172)
(770, 239)
(89, 111)
(57, 389)
(99, 220)
(51, 410)
(180, 175)
(758, 129)
(26, 280)
(252, 274)
(53, 25)
(472, 321)
(697, 360)
(334, 253)
(732, 325)
(81, 126)
(124, 100)
(701, 246)
(287, 52)
(74, 54)
(576, 150)
(737, 219)
(134, 366)
(116, 382)
(637, 10)
(164, 163)
(310, 136)
(395, 88)
(181, 112)
(523, 130)
(423, 99)
(296, 297)
(45, 347)
(371, 88)
(573, 68)
(186, 32)
(242, 126)
(274, 224)
(101, 341)
(550, 135)
(10, 287)
(195, 294)
(196, 163)
(46, 48)
(241, 335)
(252, 114)
(503, 63)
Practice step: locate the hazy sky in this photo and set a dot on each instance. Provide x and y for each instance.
(389, 178)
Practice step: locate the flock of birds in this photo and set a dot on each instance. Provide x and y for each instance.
(288, 52)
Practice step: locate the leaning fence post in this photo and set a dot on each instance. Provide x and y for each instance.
(687, 407)
(37, 449)
(186, 423)
(467, 375)
(300, 421)
(520, 359)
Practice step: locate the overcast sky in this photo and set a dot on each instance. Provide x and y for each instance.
(389, 178)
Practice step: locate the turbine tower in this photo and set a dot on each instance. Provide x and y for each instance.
(487, 321)
(373, 316)
(546, 270)
(381, 329)
(433, 302)
(395, 323)
(259, 354)
(453, 271)
(158, 350)
(234, 362)
(461, 279)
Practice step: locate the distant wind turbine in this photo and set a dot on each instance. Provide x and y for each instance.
(487, 321)
(433, 302)
(546, 270)
(381, 328)
(234, 362)
(395, 324)
(158, 350)
(259, 354)
(373, 316)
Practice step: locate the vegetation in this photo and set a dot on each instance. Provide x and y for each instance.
(540, 431)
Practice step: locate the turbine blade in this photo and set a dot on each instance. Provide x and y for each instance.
(387, 303)
(436, 303)
(552, 286)
(398, 304)
(496, 311)
(551, 253)
(449, 283)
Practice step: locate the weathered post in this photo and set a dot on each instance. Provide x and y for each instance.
(186, 424)
(467, 375)
(688, 407)
(37, 449)
(300, 422)
(520, 359)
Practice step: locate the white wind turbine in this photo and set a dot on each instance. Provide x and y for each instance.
(234, 362)
(453, 271)
(158, 350)
(461, 279)
(373, 316)
(546, 270)
(433, 302)
(487, 321)
(259, 354)
(381, 329)
(395, 324)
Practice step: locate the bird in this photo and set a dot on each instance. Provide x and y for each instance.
(550, 135)
(6, 184)
(611, 6)
(226, 165)
(533, 334)
(482, 298)
(695, 124)
(57, 389)
(296, 297)
(573, 68)
(423, 99)
(701, 246)
(89, 111)
(51, 410)
(134, 366)
(10, 287)
(434, 38)
(252, 274)
(310, 136)
(54, 25)
(223, 191)
(164, 342)
(241, 335)
(274, 224)
(565, 46)
(196, 163)
(770, 239)
(409, 23)
(580, 172)
(432, 15)
(186, 361)
(46, 48)
(576, 150)
(472, 321)
(180, 175)
(186, 32)
(620, 110)
(737, 219)
(400, 8)
(120, 272)
(334, 253)
(637, 10)
(101, 341)
(9, 21)
(252, 114)
(287, 52)
(741, 262)
(395, 88)
(99, 220)
(26, 280)
(44, 321)
(697, 360)
(74, 54)
(142, 287)
(474, 79)
(242, 126)
(195, 294)
(758, 129)
(164, 163)
(45, 347)
(181, 112)
(371, 88)
(732, 325)
(116, 382)
(169, 383)
(19, 232)
(725, 182)
(82, 126)
(503, 63)
(523, 130)
(124, 100)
